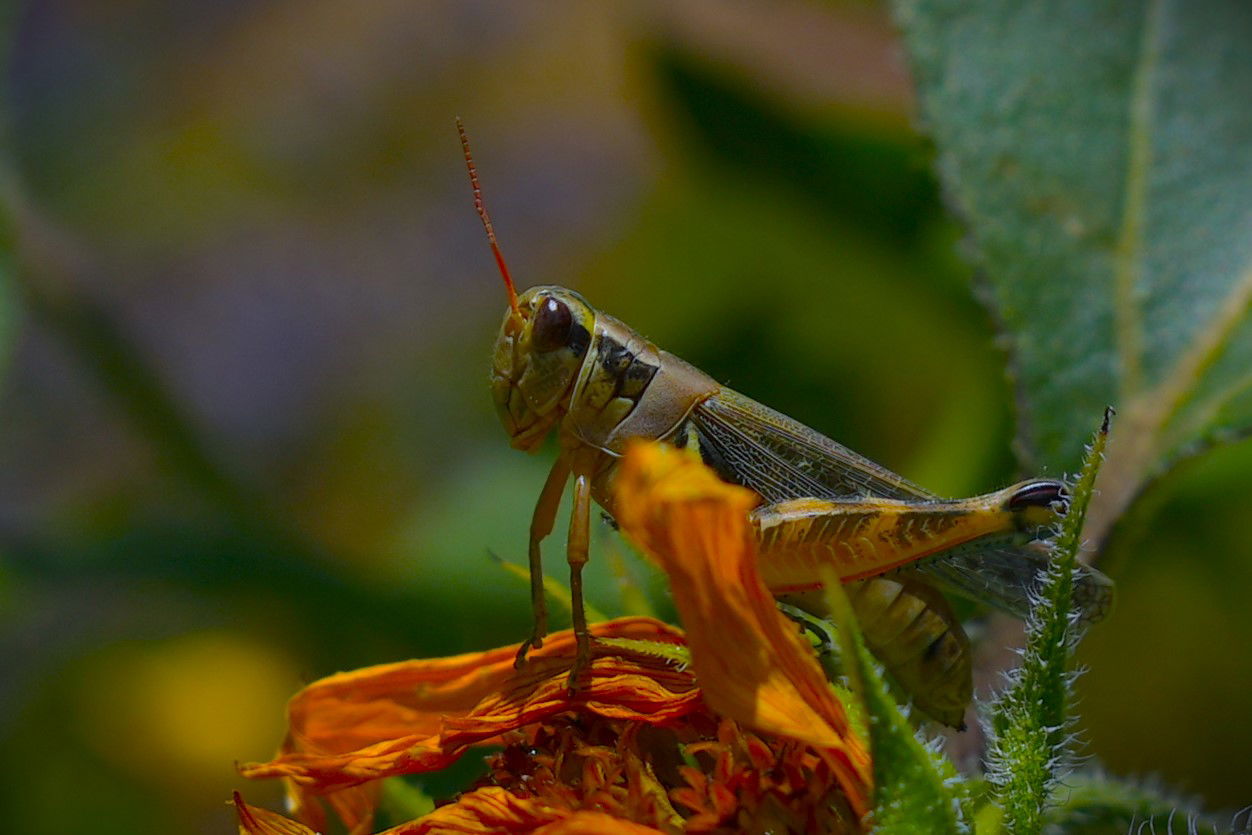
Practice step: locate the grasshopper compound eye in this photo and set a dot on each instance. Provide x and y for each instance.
(552, 327)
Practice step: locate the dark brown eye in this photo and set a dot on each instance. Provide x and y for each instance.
(553, 323)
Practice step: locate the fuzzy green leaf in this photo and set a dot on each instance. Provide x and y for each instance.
(1029, 722)
(1090, 804)
(1101, 155)
(916, 789)
(676, 654)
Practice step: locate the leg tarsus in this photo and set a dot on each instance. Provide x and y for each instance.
(576, 553)
(540, 526)
(538, 603)
(535, 641)
(582, 660)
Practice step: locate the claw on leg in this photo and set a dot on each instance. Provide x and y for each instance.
(540, 526)
(540, 608)
(535, 641)
(582, 660)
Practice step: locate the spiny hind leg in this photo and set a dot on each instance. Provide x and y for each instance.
(864, 537)
(912, 630)
(541, 525)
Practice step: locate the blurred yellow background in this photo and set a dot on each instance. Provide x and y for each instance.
(247, 436)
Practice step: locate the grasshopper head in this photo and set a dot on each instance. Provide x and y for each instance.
(538, 353)
(546, 332)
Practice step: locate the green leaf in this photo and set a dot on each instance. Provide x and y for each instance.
(675, 654)
(1101, 154)
(1090, 804)
(1028, 749)
(916, 789)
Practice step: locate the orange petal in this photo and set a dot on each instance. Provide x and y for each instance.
(750, 661)
(421, 715)
(493, 809)
(595, 823)
(256, 821)
(354, 805)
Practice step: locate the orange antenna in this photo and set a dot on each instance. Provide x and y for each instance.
(486, 218)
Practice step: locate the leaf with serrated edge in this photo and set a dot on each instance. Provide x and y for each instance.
(1101, 155)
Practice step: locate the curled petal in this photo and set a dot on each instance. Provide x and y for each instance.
(595, 823)
(256, 821)
(420, 716)
(750, 661)
(493, 809)
(490, 809)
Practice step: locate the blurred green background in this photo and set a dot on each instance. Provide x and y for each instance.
(245, 433)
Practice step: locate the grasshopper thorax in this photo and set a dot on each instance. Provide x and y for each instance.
(537, 357)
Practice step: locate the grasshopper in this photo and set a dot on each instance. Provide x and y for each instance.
(562, 366)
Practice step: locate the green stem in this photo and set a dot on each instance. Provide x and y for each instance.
(1030, 723)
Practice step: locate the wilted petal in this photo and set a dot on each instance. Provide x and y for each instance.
(490, 809)
(494, 810)
(420, 716)
(750, 661)
(595, 823)
(354, 805)
(617, 755)
(256, 821)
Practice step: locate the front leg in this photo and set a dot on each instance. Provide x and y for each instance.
(541, 524)
(576, 553)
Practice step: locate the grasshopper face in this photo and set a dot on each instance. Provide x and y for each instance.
(536, 362)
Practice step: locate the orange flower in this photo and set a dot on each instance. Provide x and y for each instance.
(351, 729)
(748, 737)
(750, 660)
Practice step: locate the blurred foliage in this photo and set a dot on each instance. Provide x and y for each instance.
(8, 308)
(1094, 803)
(815, 244)
(247, 438)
